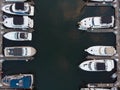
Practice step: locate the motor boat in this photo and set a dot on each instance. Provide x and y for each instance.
(97, 65)
(24, 81)
(19, 51)
(95, 88)
(101, 50)
(18, 22)
(18, 36)
(102, 0)
(96, 22)
(15, 0)
(19, 8)
(99, 0)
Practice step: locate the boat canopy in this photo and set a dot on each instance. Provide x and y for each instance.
(23, 35)
(15, 51)
(106, 19)
(19, 6)
(100, 66)
(18, 20)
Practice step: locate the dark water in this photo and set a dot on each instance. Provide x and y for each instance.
(60, 46)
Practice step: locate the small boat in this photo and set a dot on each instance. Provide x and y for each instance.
(19, 8)
(15, 0)
(101, 50)
(19, 51)
(24, 81)
(97, 65)
(18, 22)
(18, 36)
(96, 22)
(94, 88)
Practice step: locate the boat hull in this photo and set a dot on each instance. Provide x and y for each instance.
(27, 23)
(91, 65)
(22, 51)
(15, 36)
(101, 50)
(29, 12)
(15, 0)
(24, 81)
(96, 23)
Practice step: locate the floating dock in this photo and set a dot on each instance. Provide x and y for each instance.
(116, 30)
(5, 30)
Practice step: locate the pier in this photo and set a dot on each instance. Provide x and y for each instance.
(3, 58)
(116, 30)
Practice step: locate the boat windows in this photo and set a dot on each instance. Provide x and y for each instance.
(100, 66)
(18, 20)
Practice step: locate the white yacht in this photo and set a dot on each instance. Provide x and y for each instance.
(22, 81)
(18, 22)
(101, 50)
(19, 51)
(19, 8)
(102, 0)
(18, 36)
(15, 0)
(96, 22)
(94, 88)
(97, 65)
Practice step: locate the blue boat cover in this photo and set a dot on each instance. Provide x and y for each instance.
(24, 82)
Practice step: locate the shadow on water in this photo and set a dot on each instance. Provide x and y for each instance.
(60, 46)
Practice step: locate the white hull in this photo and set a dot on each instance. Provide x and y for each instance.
(94, 89)
(15, 0)
(92, 65)
(16, 36)
(22, 51)
(101, 50)
(27, 23)
(102, 0)
(10, 9)
(96, 22)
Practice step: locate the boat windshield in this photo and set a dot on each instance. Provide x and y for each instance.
(93, 22)
(100, 66)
